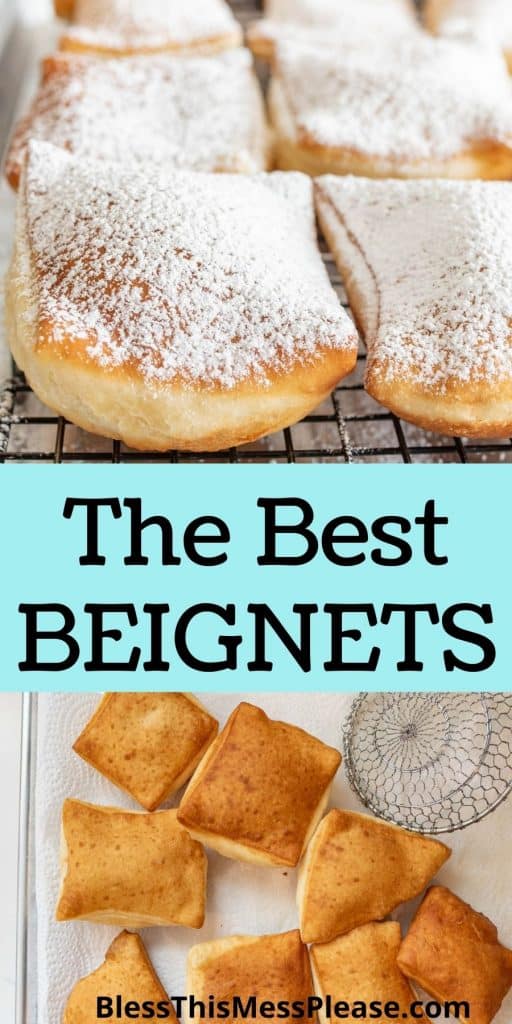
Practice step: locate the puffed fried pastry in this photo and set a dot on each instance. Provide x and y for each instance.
(454, 953)
(419, 107)
(192, 113)
(361, 968)
(148, 744)
(260, 790)
(488, 20)
(119, 28)
(129, 868)
(428, 271)
(189, 311)
(271, 967)
(350, 22)
(357, 869)
(126, 972)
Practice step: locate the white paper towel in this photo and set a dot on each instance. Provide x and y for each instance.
(242, 899)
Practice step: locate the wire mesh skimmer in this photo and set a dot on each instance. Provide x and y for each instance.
(433, 762)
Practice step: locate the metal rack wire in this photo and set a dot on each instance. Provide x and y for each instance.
(348, 428)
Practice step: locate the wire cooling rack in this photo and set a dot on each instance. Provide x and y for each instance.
(349, 427)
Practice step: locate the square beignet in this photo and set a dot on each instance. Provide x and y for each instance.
(361, 967)
(119, 28)
(488, 20)
(270, 967)
(129, 868)
(351, 23)
(127, 972)
(193, 113)
(182, 310)
(454, 953)
(357, 869)
(419, 107)
(427, 266)
(260, 790)
(148, 744)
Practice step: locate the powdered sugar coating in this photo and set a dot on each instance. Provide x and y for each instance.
(130, 24)
(417, 99)
(488, 20)
(353, 23)
(198, 113)
(330, 12)
(210, 279)
(438, 255)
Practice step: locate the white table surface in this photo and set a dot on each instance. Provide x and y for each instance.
(10, 746)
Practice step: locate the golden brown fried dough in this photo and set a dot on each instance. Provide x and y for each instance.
(454, 953)
(361, 967)
(358, 869)
(260, 790)
(129, 868)
(187, 310)
(148, 744)
(127, 972)
(270, 967)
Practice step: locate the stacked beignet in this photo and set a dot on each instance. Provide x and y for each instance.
(193, 113)
(120, 28)
(420, 107)
(348, 22)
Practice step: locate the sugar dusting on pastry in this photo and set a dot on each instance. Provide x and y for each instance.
(314, 12)
(353, 22)
(440, 255)
(198, 113)
(489, 20)
(154, 23)
(420, 98)
(200, 278)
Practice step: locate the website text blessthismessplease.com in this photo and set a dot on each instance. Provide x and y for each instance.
(255, 1008)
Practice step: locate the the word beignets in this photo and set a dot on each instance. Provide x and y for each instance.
(193, 113)
(428, 270)
(488, 20)
(118, 28)
(129, 868)
(127, 972)
(270, 967)
(454, 953)
(148, 744)
(419, 107)
(191, 311)
(357, 869)
(360, 968)
(260, 790)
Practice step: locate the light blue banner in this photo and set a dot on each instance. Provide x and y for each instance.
(390, 511)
